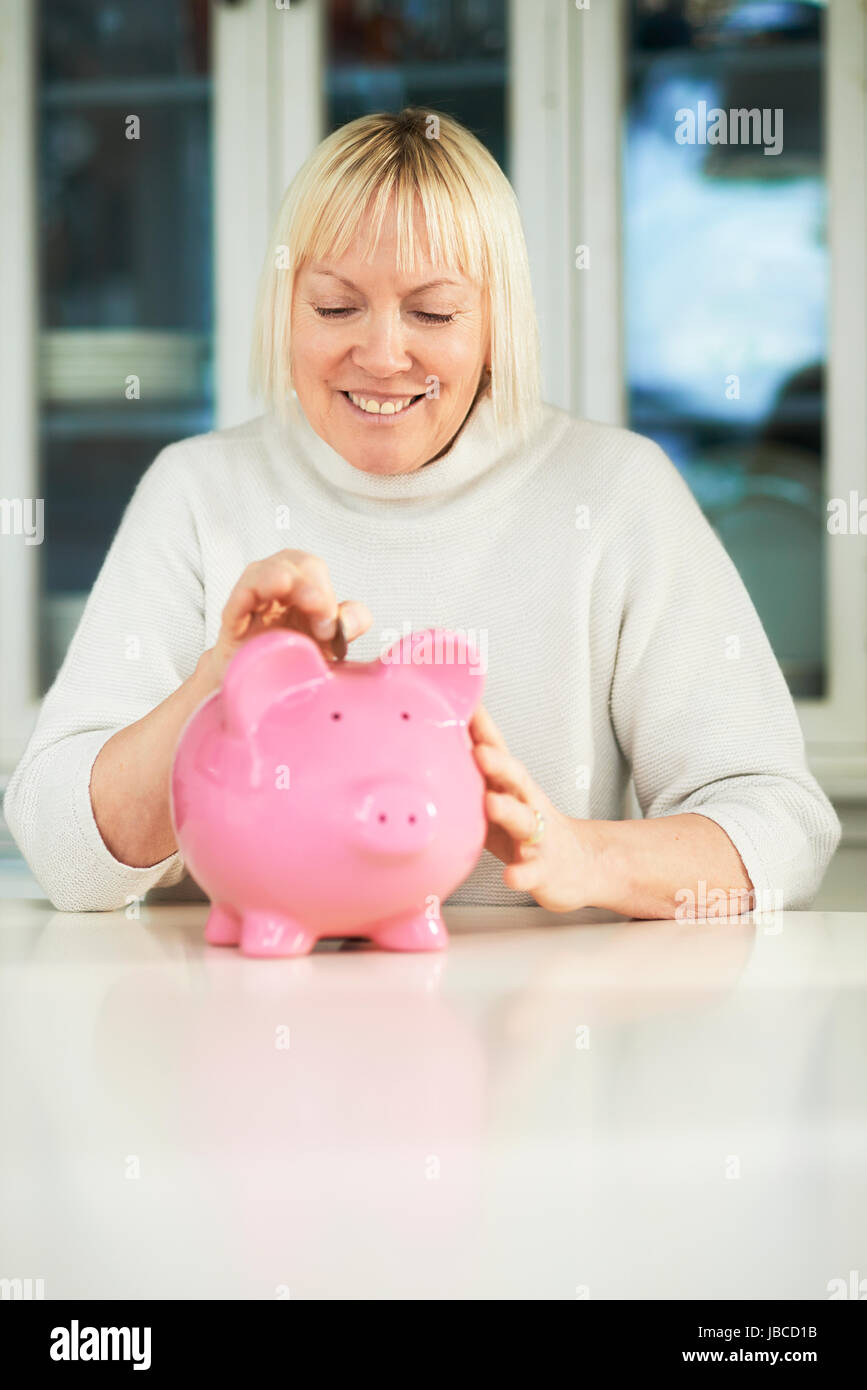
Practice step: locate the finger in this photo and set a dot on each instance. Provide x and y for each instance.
(484, 730)
(314, 595)
(243, 602)
(523, 878)
(269, 611)
(515, 816)
(505, 771)
(355, 618)
(279, 583)
(263, 583)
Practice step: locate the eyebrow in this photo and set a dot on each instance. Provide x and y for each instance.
(416, 289)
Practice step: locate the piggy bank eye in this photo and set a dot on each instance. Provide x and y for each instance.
(404, 714)
(335, 714)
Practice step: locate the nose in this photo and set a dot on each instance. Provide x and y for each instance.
(394, 818)
(380, 351)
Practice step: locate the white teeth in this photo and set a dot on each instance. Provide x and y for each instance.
(375, 408)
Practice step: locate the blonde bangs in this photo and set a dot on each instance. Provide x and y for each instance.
(331, 232)
(472, 225)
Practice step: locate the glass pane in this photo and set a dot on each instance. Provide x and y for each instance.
(726, 284)
(451, 55)
(126, 313)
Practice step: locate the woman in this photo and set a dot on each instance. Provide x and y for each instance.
(406, 458)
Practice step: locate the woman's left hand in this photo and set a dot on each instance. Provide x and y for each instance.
(557, 869)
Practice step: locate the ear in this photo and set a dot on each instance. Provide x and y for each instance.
(267, 669)
(447, 660)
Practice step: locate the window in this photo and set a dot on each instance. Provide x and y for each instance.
(726, 284)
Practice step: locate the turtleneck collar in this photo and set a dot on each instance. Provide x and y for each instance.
(475, 450)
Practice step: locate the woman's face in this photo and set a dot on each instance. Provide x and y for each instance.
(361, 327)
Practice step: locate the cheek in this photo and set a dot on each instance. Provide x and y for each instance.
(460, 351)
(315, 349)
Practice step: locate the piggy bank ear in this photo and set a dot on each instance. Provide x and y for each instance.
(269, 668)
(446, 660)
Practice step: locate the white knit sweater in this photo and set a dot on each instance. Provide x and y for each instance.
(618, 634)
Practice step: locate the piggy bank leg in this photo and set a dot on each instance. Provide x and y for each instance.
(274, 934)
(413, 931)
(223, 927)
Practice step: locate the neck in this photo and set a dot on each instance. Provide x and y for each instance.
(471, 452)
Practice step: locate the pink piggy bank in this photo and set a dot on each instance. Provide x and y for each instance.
(312, 798)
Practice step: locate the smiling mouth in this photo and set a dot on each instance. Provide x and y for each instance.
(381, 416)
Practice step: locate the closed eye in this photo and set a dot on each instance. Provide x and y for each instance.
(419, 313)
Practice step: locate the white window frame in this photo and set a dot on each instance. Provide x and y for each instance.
(566, 139)
(19, 567)
(267, 118)
(565, 142)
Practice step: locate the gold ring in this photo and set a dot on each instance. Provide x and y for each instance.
(539, 831)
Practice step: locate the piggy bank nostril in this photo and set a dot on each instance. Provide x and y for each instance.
(404, 715)
(396, 817)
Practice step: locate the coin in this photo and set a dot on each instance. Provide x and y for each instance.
(338, 641)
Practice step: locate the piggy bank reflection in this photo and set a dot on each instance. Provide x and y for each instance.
(314, 799)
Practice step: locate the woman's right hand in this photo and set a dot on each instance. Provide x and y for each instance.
(290, 589)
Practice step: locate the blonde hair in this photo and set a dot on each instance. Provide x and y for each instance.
(472, 223)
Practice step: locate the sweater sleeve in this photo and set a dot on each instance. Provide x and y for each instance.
(140, 636)
(698, 702)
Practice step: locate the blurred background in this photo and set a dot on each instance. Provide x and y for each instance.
(709, 295)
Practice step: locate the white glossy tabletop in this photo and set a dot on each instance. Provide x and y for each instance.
(556, 1107)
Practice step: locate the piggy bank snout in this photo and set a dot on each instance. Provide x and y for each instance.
(396, 818)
